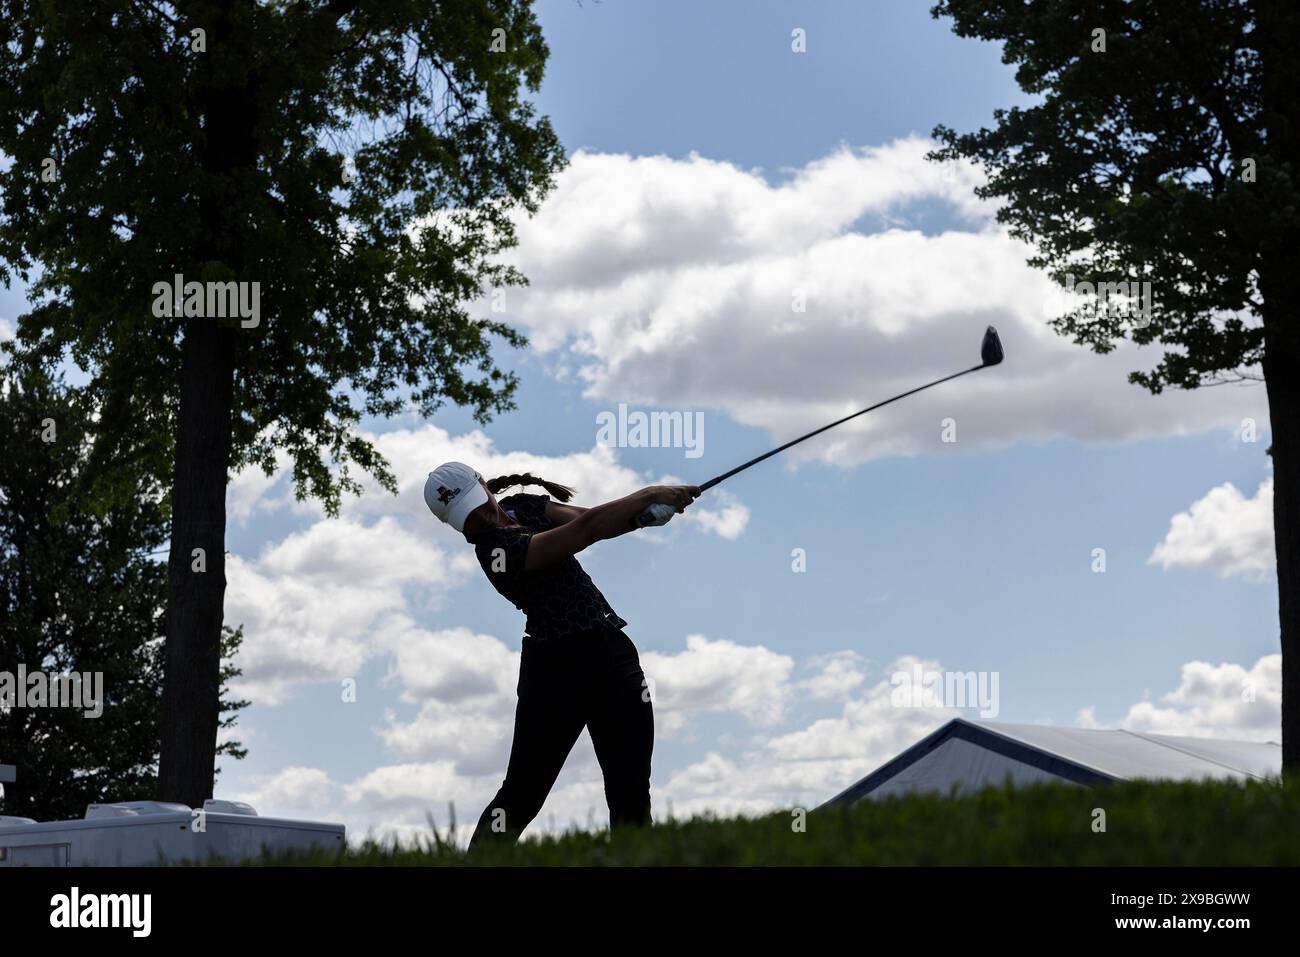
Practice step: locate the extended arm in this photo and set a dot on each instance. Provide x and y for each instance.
(604, 521)
(558, 513)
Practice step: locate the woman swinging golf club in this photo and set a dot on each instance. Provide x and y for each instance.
(578, 669)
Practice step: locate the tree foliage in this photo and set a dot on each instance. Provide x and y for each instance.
(390, 143)
(79, 593)
(1154, 159)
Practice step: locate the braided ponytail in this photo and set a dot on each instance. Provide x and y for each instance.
(560, 493)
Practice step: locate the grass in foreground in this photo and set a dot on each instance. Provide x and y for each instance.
(1211, 823)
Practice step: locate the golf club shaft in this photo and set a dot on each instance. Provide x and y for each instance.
(990, 352)
(781, 448)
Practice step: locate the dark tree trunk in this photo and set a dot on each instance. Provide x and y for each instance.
(1280, 366)
(191, 684)
(1279, 285)
(191, 681)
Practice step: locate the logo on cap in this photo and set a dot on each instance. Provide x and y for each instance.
(445, 494)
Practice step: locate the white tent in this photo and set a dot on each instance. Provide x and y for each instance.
(968, 755)
(141, 833)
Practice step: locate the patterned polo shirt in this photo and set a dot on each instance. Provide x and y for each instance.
(560, 600)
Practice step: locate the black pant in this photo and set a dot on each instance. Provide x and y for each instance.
(593, 680)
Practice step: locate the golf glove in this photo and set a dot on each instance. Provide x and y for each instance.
(657, 514)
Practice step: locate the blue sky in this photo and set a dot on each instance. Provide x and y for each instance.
(714, 173)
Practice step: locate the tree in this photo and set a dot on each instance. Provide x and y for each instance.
(1164, 147)
(79, 594)
(339, 176)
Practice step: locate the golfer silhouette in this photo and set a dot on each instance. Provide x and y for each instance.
(578, 668)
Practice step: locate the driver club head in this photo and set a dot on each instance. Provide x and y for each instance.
(991, 347)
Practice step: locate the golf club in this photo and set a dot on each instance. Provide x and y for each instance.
(990, 355)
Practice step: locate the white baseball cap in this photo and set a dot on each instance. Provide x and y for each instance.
(452, 491)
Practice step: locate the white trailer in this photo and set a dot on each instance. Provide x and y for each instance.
(143, 833)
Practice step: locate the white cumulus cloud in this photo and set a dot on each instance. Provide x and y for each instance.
(720, 675)
(1224, 532)
(292, 792)
(789, 304)
(1216, 701)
